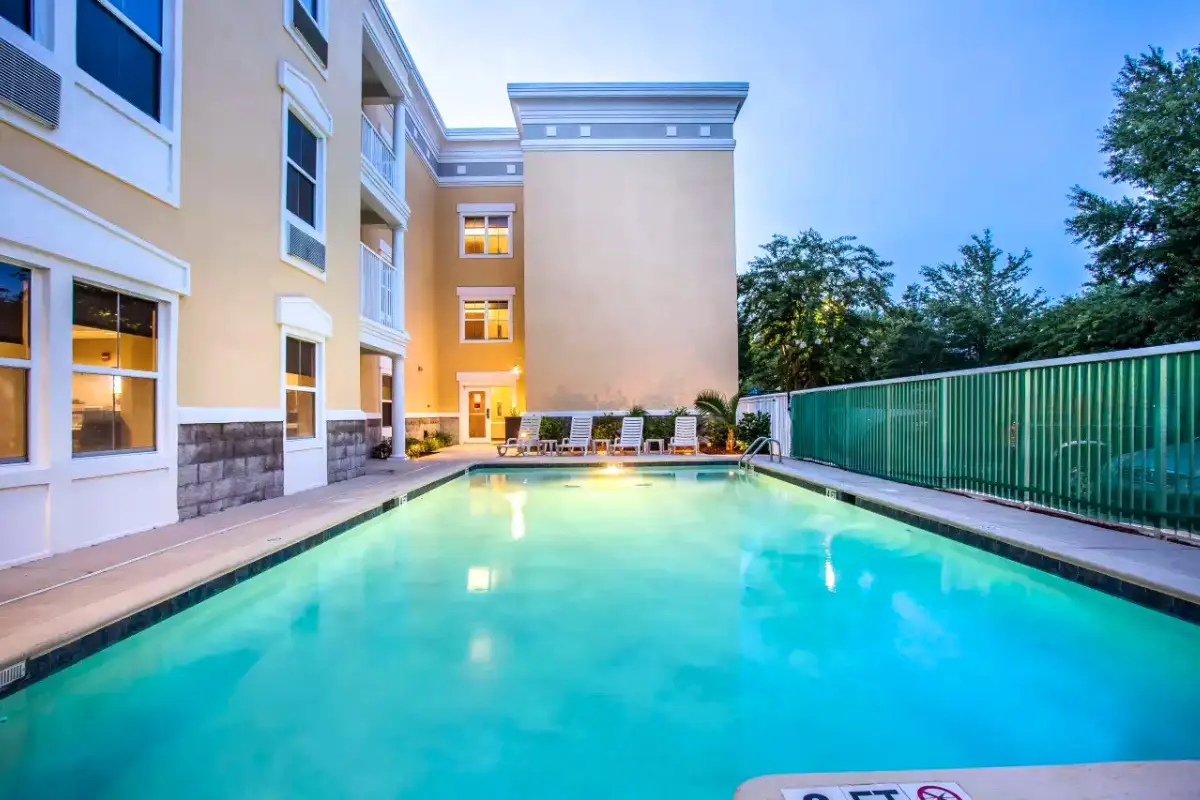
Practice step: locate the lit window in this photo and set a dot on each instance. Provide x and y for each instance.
(486, 320)
(114, 345)
(120, 44)
(486, 235)
(301, 371)
(19, 13)
(386, 404)
(301, 170)
(14, 363)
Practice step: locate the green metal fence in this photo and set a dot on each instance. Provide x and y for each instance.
(1115, 436)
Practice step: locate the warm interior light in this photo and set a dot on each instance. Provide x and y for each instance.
(516, 370)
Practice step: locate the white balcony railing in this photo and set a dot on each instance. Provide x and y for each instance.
(378, 288)
(378, 152)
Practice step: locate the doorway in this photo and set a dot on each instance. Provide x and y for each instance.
(479, 414)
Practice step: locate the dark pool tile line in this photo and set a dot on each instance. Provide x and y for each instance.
(63, 656)
(1109, 584)
(639, 461)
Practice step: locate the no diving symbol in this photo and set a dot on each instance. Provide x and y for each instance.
(936, 793)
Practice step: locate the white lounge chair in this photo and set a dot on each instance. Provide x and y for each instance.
(580, 437)
(528, 436)
(685, 437)
(631, 436)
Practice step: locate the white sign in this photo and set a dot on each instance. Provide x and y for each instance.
(931, 790)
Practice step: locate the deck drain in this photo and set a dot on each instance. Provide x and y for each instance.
(273, 539)
(643, 484)
(571, 485)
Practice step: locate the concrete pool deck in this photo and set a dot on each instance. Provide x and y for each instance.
(1136, 780)
(53, 605)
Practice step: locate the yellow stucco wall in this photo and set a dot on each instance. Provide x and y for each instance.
(454, 271)
(228, 226)
(630, 278)
(420, 288)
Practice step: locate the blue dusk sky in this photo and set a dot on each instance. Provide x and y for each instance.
(908, 123)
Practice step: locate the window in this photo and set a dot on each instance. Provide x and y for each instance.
(305, 21)
(486, 321)
(301, 170)
(120, 44)
(486, 235)
(15, 363)
(301, 372)
(19, 13)
(385, 406)
(114, 345)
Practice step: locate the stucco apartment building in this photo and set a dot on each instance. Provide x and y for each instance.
(238, 245)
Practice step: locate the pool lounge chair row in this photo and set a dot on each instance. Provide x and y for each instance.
(528, 439)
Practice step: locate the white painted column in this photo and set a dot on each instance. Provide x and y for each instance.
(398, 283)
(398, 409)
(398, 147)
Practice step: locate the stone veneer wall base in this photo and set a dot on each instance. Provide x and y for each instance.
(227, 464)
(347, 451)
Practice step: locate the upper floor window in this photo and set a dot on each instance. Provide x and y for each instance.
(307, 22)
(300, 369)
(486, 235)
(19, 13)
(486, 321)
(15, 363)
(120, 44)
(114, 383)
(301, 170)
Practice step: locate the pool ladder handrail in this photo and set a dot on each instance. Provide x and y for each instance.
(774, 450)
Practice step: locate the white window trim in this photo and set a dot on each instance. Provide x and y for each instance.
(34, 397)
(484, 210)
(300, 97)
(318, 391)
(160, 353)
(487, 294)
(53, 44)
(322, 25)
(301, 317)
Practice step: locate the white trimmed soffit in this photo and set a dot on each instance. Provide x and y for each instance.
(303, 314)
(305, 95)
(385, 340)
(36, 218)
(627, 116)
(486, 292)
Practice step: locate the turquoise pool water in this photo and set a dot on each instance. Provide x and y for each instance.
(550, 634)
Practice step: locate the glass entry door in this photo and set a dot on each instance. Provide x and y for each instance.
(478, 415)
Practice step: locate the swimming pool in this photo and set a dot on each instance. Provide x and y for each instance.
(604, 633)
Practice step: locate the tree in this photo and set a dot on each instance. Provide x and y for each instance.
(810, 309)
(910, 343)
(1104, 318)
(1152, 238)
(721, 412)
(977, 306)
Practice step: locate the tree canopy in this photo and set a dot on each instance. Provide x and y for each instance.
(816, 311)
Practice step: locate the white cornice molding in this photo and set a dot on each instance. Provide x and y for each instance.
(306, 97)
(304, 314)
(486, 208)
(567, 103)
(481, 180)
(36, 218)
(486, 292)
(628, 144)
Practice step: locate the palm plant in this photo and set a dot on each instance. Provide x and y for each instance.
(722, 411)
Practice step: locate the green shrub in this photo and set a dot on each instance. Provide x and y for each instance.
(751, 426)
(553, 429)
(383, 449)
(637, 411)
(606, 426)
(414, 451)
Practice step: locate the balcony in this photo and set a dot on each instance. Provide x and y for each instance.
(379, 283)
(382, 184)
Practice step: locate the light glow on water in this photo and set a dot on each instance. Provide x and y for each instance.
(547, 634)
